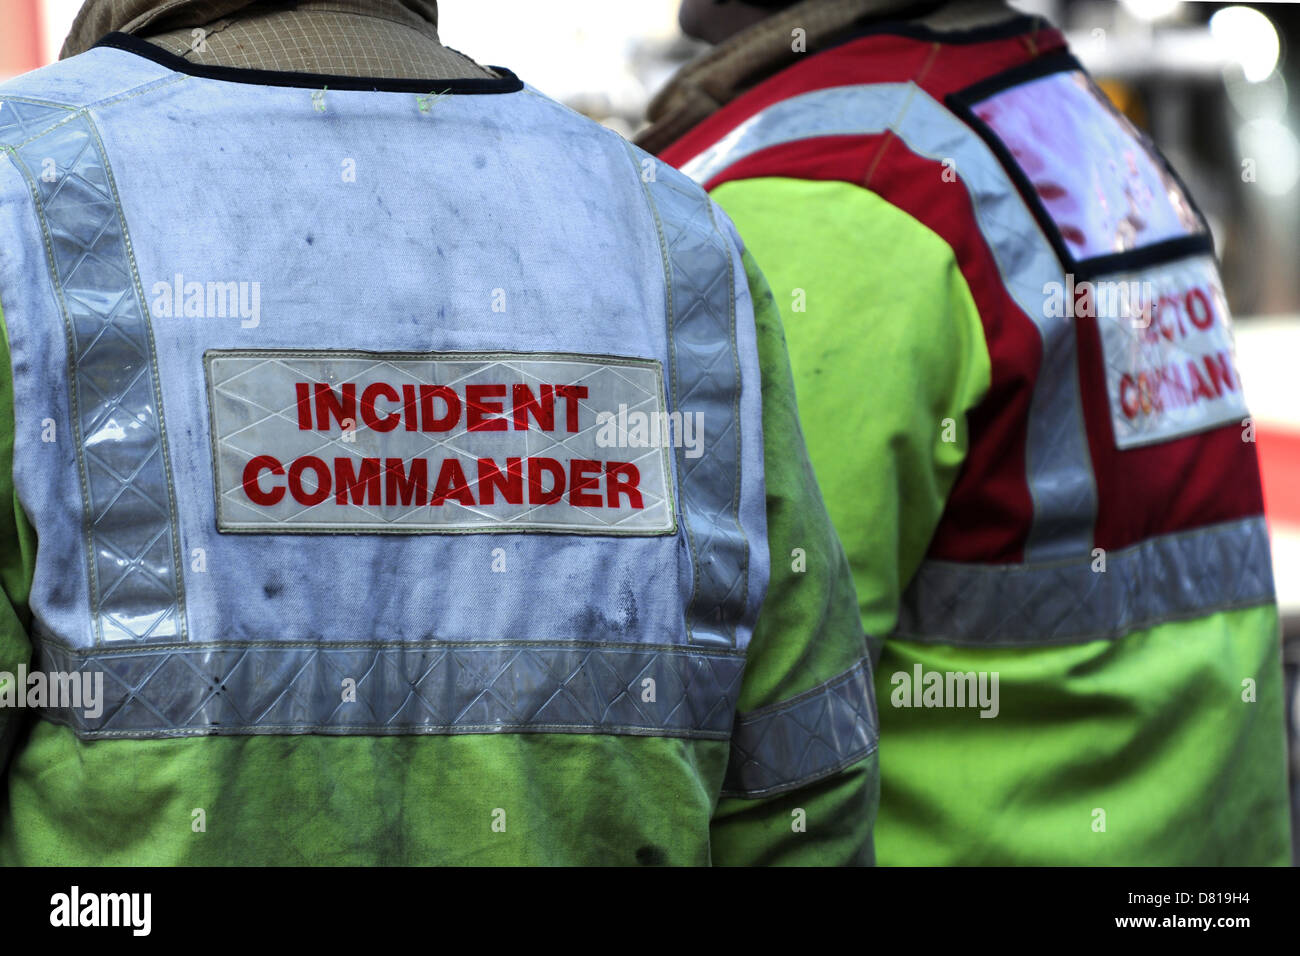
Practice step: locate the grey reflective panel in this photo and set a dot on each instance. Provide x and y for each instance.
(23, 119)
(418, 688)
(1059, 467)
(797, 741)
(116, 406)
(704, 378)
(1167, 578)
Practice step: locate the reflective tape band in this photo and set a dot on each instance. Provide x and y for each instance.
(23, 119)
(806, 738)
(1058, 464)
(418, 688)
(705, 378)
(1168, 578)
(136, 592)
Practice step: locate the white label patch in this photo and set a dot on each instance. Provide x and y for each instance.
(1112, 196)
(356, 442)
(1170, 367)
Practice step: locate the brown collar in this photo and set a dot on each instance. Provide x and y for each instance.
(711, 82)
(388, 38)
(144, 17)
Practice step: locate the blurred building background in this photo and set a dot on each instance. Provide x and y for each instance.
(1210, 81)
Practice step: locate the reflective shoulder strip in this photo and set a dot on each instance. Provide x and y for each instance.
(132, 543)
(159, 684)
(424, 688)
(801, 740)
(1167, 578)
(1058, 464)
(704, 373)
(23, 119)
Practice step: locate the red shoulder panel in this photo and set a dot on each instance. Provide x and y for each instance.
(879, 58)
(1187, 482)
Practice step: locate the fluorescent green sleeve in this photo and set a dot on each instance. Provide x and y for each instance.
(888, 355)
(1139, 751)
(17, 560)
(569, 798)
(807, 634)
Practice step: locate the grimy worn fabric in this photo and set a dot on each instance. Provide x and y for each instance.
(505, 734)
(1136, 713)
(379, 38)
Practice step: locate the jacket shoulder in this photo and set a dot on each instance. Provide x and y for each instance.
(83, 80)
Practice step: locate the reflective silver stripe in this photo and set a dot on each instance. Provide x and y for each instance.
(160, 685)
(1058, 464)
(419, 688)
(1169, 578)
(705, 378)
(132, 541)
(23, 119)
(798, 741)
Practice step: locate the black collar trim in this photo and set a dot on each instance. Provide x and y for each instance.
(507, 83)
(963, 103)
(1018, 25)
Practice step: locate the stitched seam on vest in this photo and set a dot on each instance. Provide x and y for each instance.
(147, 87)
(164, 448)
(672, 367)
(1064, 503)
(677, 188)
(196, 647)
(735, 406)
(970, 605)
(809, 737)
(76, 404)
(1105, 634)
(70, 344)
(798, 784)
(31, 139)
(386, 362)
(36, 101)
(471, 688)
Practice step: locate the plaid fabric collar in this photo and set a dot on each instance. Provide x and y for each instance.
(372, 38)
